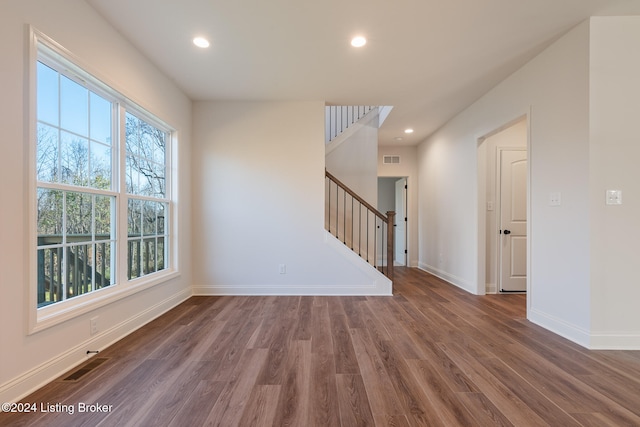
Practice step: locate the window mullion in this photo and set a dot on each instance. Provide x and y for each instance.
(64, 264)
(121, 222)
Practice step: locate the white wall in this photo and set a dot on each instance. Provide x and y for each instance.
(408, 167)
(553, 89)
(615, 151)
(28, 361)
(259, 203)
(582, 97)
(352, 157)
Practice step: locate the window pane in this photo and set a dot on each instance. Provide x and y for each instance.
(100, 119)
(161, 218)
(49, 217)
(145, 187)
(100, 166)
(103, 265)
(146, 158)
(149, 219)
(78, 214)
(133, 259)
(149, 255)
(49, 276)
(104, 207)
(132, 176)
(47, 90)
(161, 253)
(156, 179)
(133, 134)
(47, 153)
(79, 269)
(74, 160)
(74, 107)
(134, 215)
(160, 148)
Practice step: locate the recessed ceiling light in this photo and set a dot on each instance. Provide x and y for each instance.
(358, 41)
(201, 42)
(408, 130)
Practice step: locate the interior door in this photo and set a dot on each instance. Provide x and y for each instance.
(513, 220)
(400, 249)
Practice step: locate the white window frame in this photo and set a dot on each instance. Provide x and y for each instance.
(50, 315)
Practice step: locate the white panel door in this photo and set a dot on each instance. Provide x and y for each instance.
(400, 249)
(513, 220)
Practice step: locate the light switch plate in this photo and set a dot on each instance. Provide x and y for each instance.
(614, 197)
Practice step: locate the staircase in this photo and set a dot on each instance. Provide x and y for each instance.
(348, 216)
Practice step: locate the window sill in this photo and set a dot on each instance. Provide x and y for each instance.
(55, 314)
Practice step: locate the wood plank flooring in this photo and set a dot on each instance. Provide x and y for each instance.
(431, 355)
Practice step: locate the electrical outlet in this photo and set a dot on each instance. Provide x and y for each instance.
(614, 197)
(93, 325)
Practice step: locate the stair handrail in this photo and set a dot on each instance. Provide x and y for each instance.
(387, 219)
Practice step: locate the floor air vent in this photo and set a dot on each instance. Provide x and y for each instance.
(83, 370)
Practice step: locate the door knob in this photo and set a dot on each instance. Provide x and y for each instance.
(507, 231)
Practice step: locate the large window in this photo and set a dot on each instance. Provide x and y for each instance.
(102, 185)
(147, 208)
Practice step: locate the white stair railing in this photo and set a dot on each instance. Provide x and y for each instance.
(339, 117)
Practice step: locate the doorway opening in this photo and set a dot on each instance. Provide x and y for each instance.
(503, 208)
(392, 196)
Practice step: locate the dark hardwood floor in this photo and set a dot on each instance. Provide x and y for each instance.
(430, 355)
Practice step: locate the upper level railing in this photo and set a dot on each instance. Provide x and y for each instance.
(339, 117)
(359, 225)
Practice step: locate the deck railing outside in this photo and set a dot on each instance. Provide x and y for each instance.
(76, 269)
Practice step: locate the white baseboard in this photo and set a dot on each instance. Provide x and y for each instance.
(30, 381)
(373, 289)
(450, 278)
(560, 327)
(614, 341)
(609, 340)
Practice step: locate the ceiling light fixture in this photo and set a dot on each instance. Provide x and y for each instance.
(408, 130)
(201, 42)
(358, 41)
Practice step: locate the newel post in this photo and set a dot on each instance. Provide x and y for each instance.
(391, 221)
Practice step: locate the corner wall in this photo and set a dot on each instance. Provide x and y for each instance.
(615, 150)
(259, 204)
